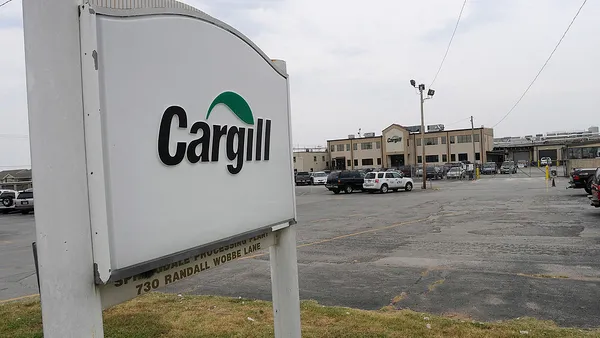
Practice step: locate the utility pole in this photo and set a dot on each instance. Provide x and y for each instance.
(473, 141)
(424, 161)
(430, 94)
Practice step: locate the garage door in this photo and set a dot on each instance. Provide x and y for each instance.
(552, 153)
(521, 156)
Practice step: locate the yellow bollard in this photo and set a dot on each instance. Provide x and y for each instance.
(477, 173)
(547, 172)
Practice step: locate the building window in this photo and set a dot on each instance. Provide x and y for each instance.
(349, 163)
(340, 147)
(419, 159)
(432, 158)
(314, 159)
(452, 157)
(355, 162)
(378, 145)
(355, 146)
(431, 141)
(477, 157)
(418, 142)
(476, 137)
(332, 148)
(294, 159)
(323, 158)
(452, 140)
(378, 161)
(444, 158)
(366, 145)
(464, 138)
(367, 161)
(408, 142)
(443, 139)
(587, 152)
(463, 157)
(347, 146)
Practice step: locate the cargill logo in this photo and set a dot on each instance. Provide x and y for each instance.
(394, 139)
(238, 140)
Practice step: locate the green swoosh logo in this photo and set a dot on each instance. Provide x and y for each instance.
(238, 106)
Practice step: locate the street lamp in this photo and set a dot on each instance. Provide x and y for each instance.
(430, 94)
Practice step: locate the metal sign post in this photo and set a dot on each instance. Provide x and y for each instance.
(70, 300)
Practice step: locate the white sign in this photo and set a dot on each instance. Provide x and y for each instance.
(188, 142)
(130, 287)
(394, 141)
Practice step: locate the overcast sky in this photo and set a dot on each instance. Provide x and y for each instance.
(350, 63)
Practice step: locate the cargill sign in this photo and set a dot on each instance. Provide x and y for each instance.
(238, 140)
(180, 137)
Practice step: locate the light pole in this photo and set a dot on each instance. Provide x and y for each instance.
(430, 94)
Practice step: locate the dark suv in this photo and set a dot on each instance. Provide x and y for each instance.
(345, 180)
(302, 177)
(434, 173)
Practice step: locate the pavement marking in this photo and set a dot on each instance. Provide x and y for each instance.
(18, 298)
(538, 275)
(362, 232)
(349, 235)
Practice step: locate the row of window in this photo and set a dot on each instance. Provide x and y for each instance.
(432, 141)
(429, 141)
(314, 159)
(363, 146)
(436, 158)
(364, 161)
(587, 152)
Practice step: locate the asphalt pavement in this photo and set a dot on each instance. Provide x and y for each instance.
(497, 248)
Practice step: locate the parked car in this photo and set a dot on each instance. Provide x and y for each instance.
(456, 173)
(345, 180)
(24, 201)
(318, 177)
(302, 177)
(508, 167)
(582, 178)
(522, 164)
(386, 181)
(546, 161)
(595, 196)
(489, 168)
(7, 203)
(434, 173)
(406, 170)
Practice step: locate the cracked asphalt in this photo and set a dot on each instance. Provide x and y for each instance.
(493, 249)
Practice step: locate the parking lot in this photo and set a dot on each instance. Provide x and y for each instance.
(496, 248)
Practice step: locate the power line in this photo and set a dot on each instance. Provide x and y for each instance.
(544, 66)
(453, 123)
(449, 44)
(5, 2)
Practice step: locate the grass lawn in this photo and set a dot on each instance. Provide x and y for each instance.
(164, 315)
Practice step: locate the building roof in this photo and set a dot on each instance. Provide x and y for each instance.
(355, 139)
(16, 173)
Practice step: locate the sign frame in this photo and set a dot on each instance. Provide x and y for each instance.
(70, 298)
(104, 271)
